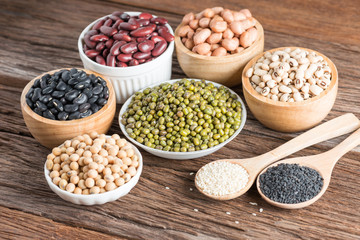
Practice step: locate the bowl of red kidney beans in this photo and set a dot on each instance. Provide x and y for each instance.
(132, 49)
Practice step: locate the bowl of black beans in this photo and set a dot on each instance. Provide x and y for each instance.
(64, 103)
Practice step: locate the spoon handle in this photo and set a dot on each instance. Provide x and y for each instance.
(333, 128)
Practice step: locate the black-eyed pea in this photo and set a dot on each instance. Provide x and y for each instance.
(258, 89)
(286, 81)
(56, 180)
(230, 44)
(56, 151)
(77, 190)
(265, 91)
(266, 77)
(204, 22)
(214, 38)
(189, 43)
(74, 179)
(119, 182)
(218, 26)
(62, 184)
(284, 89)
(284, 97)
(291, 100)
(256, 79)
(262, 85)
(299, 83)
(275, 97)
(110, 186)
(89, 182)
(74, 166)
(297, 97)
(126, 177)
(194, 24)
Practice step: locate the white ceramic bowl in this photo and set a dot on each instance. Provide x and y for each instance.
(127, 81)
(100, 198)
(184, 155)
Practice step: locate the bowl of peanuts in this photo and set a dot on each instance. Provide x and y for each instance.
(290, 89)
(93, 168)
(216, 44)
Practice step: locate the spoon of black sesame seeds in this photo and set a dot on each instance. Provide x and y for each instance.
(298, 182)
(226, 179)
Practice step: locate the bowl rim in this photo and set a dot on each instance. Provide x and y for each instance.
(248, 88)
(181, 47)
(39, 118)
(108, 193)
(156, 60)
(214, 148)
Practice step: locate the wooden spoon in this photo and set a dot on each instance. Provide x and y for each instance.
(323, 163)
(333, 128)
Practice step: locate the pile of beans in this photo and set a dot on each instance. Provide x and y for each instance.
(67, 95)
(92, 164)
(121, 40)
(218, 31)
(290, 75)
(183, 116)
(290, 183)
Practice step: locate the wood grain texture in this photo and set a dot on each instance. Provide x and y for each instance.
(37, 36)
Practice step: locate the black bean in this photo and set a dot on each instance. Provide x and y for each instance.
(93, 99)
(74, 115)
(88, 92)
(71, 108)
(79, 86)
(50, 104)
(82, 98)
(98, 89)
(46, 77)
(83, 107)
(63, 101)
(43, 83)
(70, 96)
(73, 81)
(58, 105)
(94, 107)
(45, 98)
(73, 71)
(36, 83)
(58, 94)
(47, 90)
(63, 116)
(29, 103)
(30, 93)
(86, 113)
(48, 114)
(37, 111)
(125, 16)
(94, 79)
(65, 76)
(54, 111)
(101, 95)
(52, 84)
(83, 75)
(103, 82)
(101, 101)
(106, 92)
(36, 95)
(61, 86)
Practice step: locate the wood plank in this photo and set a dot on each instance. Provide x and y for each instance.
(13, 223)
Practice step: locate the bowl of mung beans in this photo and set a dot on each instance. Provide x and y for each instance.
(93, 168)
(183, 118)
(290, 89)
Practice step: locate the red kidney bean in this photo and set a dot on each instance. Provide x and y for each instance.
(91, 53)
(121, 64)
(98, 24)
(108, 22)
(117, 23)
(162, 27)
(114, 18)
(145, 16)
(142, 55)
(105, 52)
(150, 59)
(100, 46)
(133, 39)
(127, 26)
(115, 49)
(122, 36)
(110, 60)
(109, 31)
(129, 47)
(124, 57)
(142, 31)
(92, 32)
(88, 42)
(109, 43)
(154, 34)
(85, 47)
(159, 48)
(99, 38)
(140, 39)
(157, 39)
(133, 21)
(159, 20)
(146, 46)
(117, 13)
(100, 60)
(133, 62)
(124, 16)
(143, 22)
(166, 35)
(141, 60)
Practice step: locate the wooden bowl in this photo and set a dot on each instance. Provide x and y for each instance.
(224, 70)
(294, 116)
(51, 133)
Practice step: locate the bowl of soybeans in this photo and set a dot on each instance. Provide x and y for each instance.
(290, 89)
(216, 44)
(93, 168)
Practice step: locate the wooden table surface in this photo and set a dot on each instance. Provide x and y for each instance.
(38, 36)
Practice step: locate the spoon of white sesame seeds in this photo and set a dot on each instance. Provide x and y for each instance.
(226, 179)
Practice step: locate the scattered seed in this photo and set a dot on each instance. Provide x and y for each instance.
(191, 189)
(253, 203)
(228, 213)
(254, 214)
(191, 173)
(196, 210)
(261, 210)
(237, 222)
(167, 188)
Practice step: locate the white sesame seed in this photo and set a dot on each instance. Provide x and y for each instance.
(254, 214)
(196, 210)
(237, 222)
(191, 189)
(221, 178)
(228, 213)
(167, 188)
(261, 210)
(253, 203)
(191, 173)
